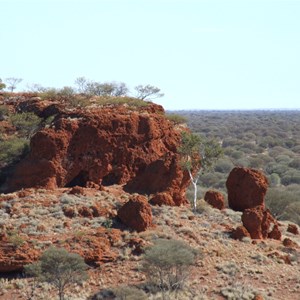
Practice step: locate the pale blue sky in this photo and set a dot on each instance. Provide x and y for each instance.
(203, 54)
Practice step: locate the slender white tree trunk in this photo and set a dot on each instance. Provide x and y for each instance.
(195, 195)
(194, 182)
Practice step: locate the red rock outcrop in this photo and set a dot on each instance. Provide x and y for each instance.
(289, 243)
(136, 213)
(137, 245)
(13, 257)
(76, 190)
(162, 199)
(96, 248)
(106, 146)
(239, 233)
(43, 109)
(260, 223)
(280, 257)
(275, 233)
(292, 228)
(215, 199)
(246, 188)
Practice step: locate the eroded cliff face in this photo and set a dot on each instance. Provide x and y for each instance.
(106, 146)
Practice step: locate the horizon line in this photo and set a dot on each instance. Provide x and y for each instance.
(235, 109)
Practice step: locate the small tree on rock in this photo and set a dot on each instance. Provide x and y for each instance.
(148, 92)
(198, 155)
(12, 83)
(59, 268)
(81, 83)
(36, 88)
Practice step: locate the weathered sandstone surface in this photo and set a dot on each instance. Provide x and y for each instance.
(105, 146)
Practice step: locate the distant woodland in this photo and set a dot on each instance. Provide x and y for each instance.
(265, 140)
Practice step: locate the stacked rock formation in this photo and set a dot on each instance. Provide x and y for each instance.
(246, 192)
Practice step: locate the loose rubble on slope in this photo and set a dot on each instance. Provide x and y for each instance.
(107, 182)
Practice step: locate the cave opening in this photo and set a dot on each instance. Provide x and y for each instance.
(79, 180)
(110, 179)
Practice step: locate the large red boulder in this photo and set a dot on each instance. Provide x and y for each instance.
(246, 188)
(215, 199)
(136, 213)
(136, 148)
(292, 228)
(239, 233)
(260, 223)
(162, 199)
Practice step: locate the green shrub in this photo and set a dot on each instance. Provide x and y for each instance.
(2, 85)
(26, 123)
(78, 101)
(229, 142)
(289, 143)
(249, 146)
(211, 179)
(280, 201)
(176, 119)
(278, 150)
(15, 239)
(50, 94)
(59, 268)
(290, 177)
(274, 179)
(13, 149)
(295, 163)
(292, 212)
(67, 91)
(282, 158)
(101, 100)
(224, 166)
(242, 162)
(3, 112)
(129, 293)
(296, 149)
(277, 168)
(167, 263)
(259, 161)
(237, 154)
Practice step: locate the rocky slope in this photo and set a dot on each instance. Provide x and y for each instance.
(99, 181)
(85, 221)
